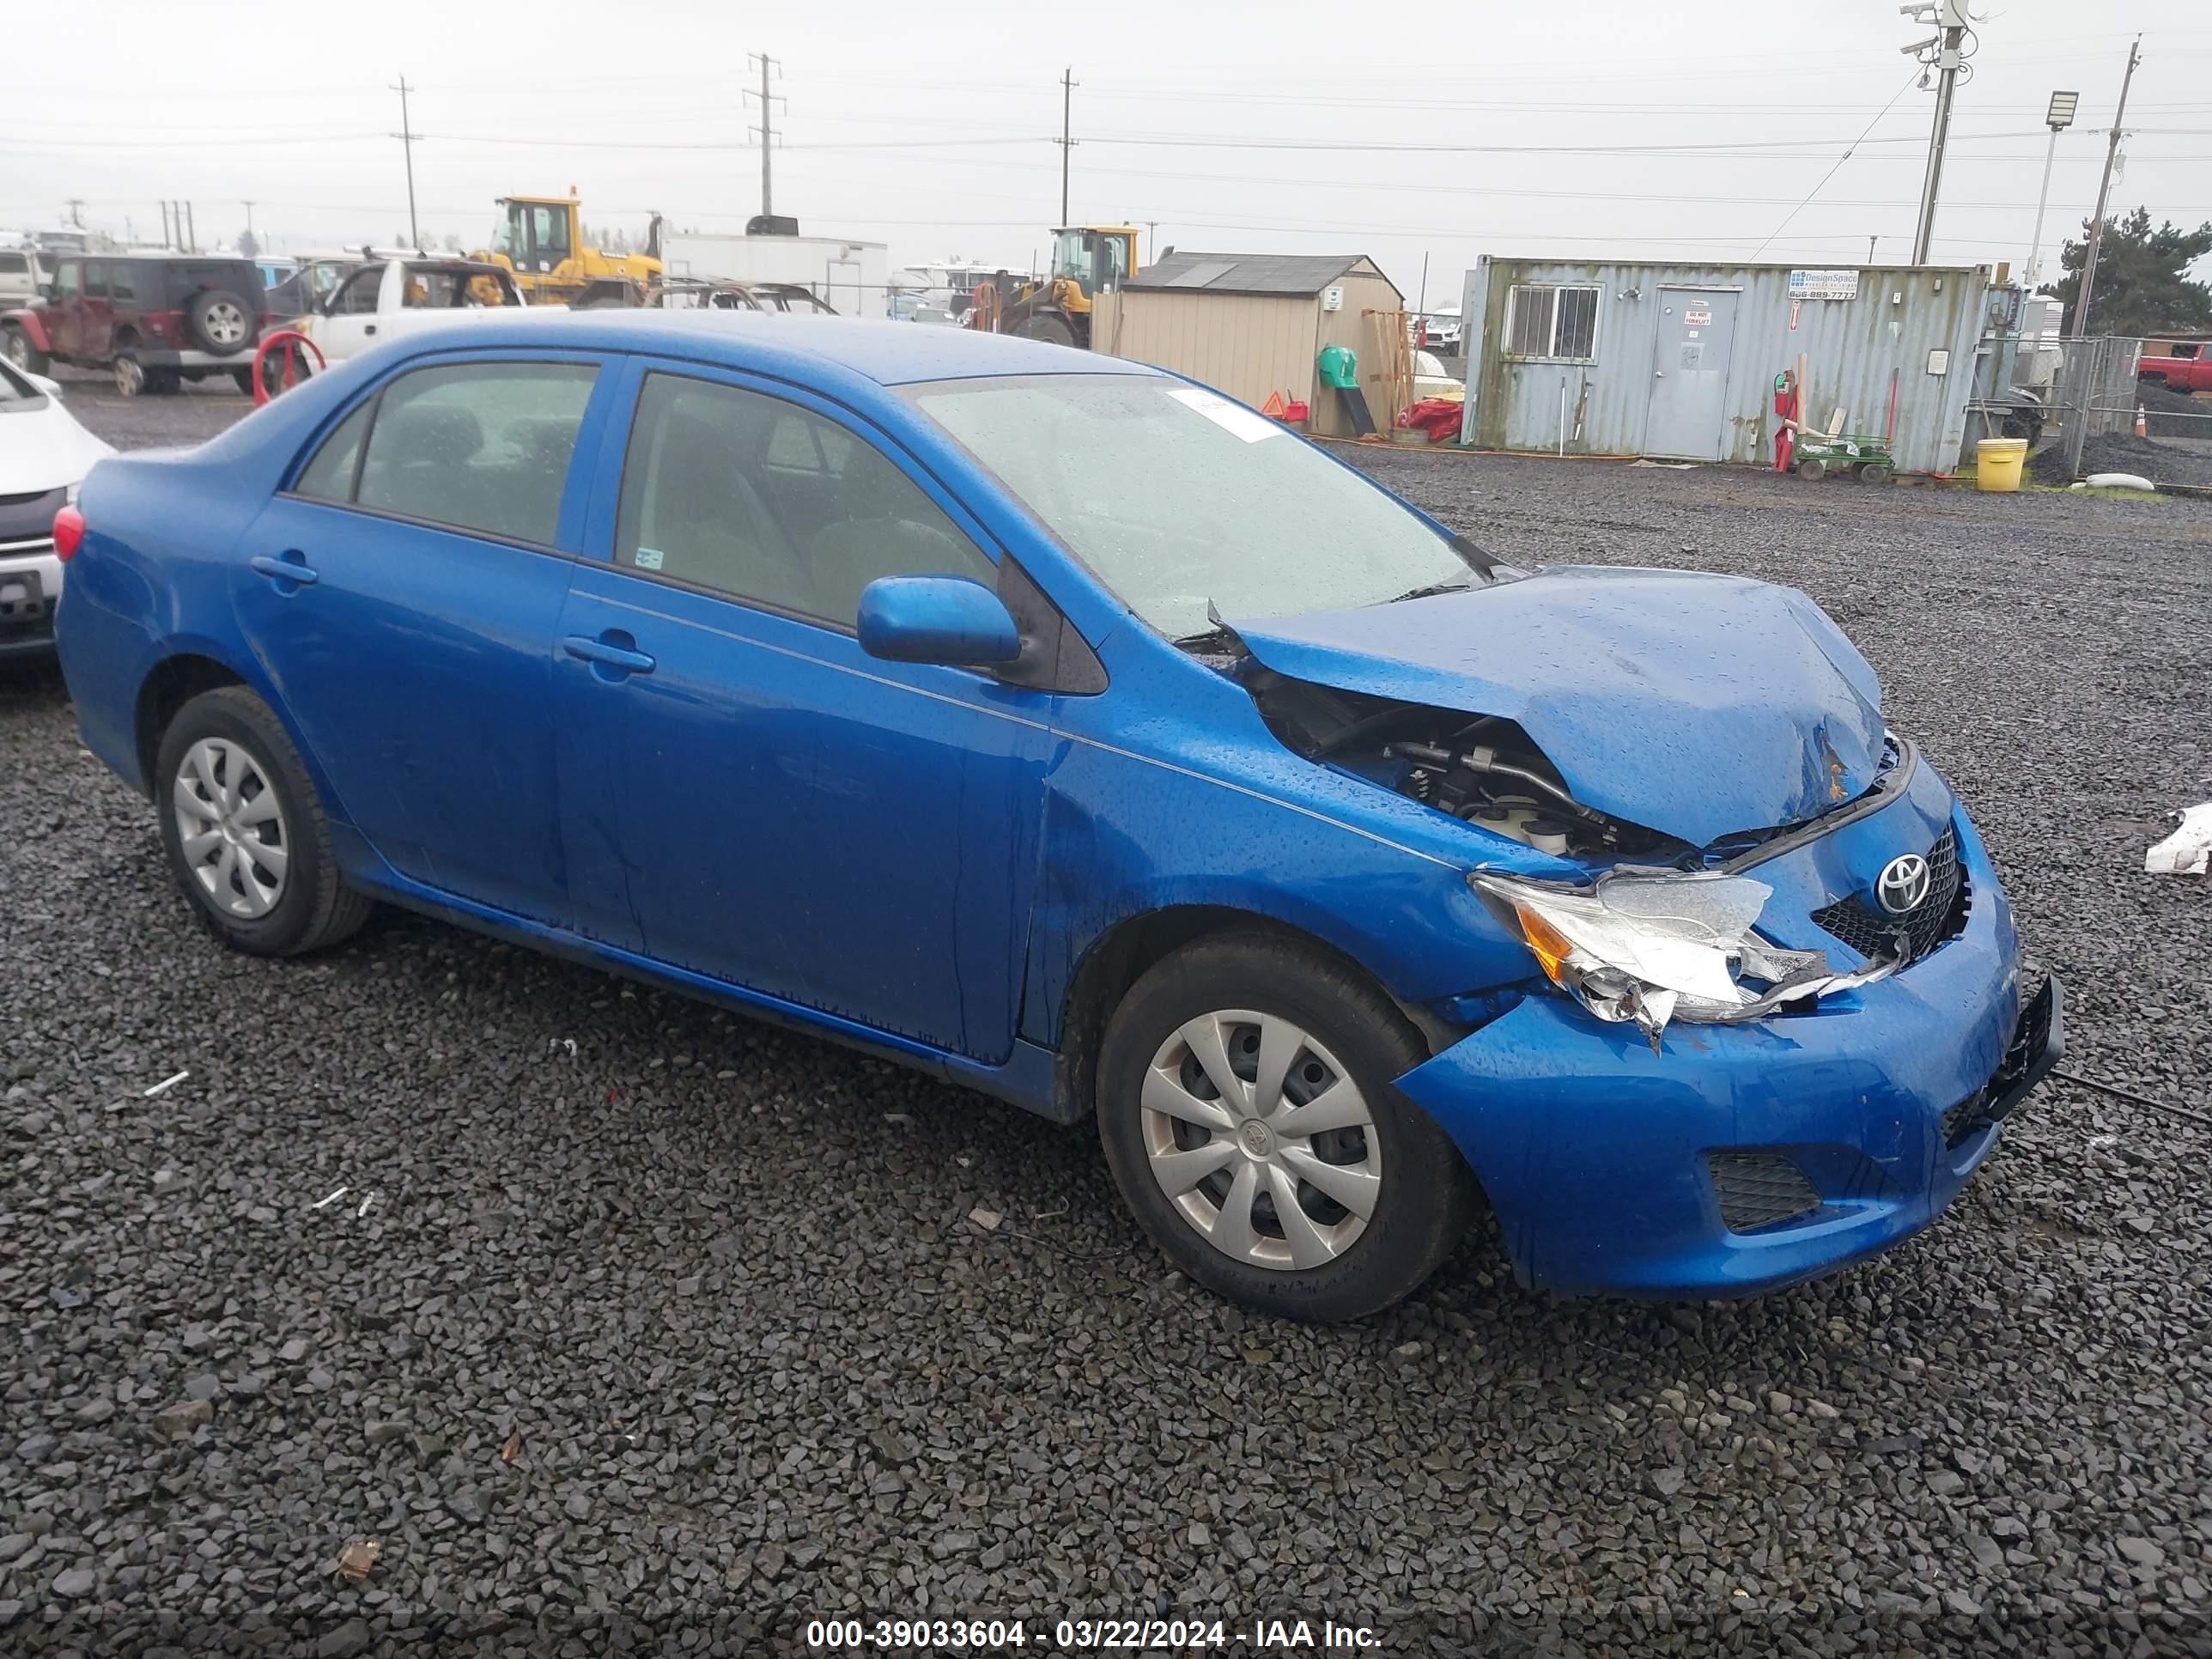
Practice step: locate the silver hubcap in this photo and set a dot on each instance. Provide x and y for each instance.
(1261, 1140)
(226, 325)
(230, 826)
(129, 377)
(19, 349)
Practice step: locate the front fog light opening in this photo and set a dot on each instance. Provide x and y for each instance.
(1650, 948)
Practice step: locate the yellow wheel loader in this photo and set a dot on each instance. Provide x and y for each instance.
(1084, 259)
(541, 240)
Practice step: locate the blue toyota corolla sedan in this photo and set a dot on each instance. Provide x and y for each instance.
(1065, 729)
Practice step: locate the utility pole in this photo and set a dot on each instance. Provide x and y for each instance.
(406, 137)
(2058, 117)
(1950, 18)
(76, 205)
(766, 128)
(1871, 241)
(1066, 132)
(2104, 191)
(249, 218)
(1152, 239)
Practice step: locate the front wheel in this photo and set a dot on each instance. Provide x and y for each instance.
(24, 355)
(244, 832)
(1813, 468)
(1245, 1107)
(129, 375)
(1051, 328)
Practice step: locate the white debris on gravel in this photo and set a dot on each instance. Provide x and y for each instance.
(2188, 849)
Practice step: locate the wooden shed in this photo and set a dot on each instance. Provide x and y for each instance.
(1252, 323)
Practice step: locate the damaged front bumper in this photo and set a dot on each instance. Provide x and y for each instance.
(1740, 1157)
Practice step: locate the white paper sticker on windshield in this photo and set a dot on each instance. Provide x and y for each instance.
(649, 558)
(1245, 423)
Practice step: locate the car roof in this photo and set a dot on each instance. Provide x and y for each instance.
(886, 352)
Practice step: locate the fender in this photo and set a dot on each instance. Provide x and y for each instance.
(33, 323)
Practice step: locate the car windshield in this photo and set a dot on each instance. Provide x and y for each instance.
(13, 388)
(1180, 499)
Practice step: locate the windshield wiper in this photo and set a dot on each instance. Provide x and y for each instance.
(1456, 585)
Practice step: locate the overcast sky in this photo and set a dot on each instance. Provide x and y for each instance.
(1622, 126)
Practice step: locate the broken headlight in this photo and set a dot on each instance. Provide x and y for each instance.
(1652, 947)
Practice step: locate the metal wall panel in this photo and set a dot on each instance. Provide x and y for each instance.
(1857, 352)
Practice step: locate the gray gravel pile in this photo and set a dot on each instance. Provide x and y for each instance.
(673, 1340)
(2167, 462)
(2171, 414)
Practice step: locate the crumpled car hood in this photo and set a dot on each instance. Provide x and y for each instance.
(1696, 705)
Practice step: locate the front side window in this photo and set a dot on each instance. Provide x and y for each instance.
(68, 280)
(770, 503)
(14, 264)
(357, 298)
(551, 226)
(1179, 498)
(1551, 322)
(482, 447)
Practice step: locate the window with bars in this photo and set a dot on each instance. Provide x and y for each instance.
(1550, 321)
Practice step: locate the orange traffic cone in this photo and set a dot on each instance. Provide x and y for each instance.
(2142, 426)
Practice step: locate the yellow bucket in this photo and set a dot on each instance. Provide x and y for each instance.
(1997, 462)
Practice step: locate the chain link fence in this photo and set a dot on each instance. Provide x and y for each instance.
(2099, 392)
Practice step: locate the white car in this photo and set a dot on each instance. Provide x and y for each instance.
(380, 302)
(44, 456)
(1442, 332)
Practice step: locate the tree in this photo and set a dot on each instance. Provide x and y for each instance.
(248, 244)
(2143, 285)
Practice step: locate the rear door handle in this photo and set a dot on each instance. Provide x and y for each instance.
(291, 567)
(612, 649)
(369, 328)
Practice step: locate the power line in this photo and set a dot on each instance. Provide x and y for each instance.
(1838, 167)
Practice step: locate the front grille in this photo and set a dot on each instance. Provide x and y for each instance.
(1757, 1189)
(26, 498)
(1874, 934)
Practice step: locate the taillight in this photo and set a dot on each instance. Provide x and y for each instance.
(69, 533)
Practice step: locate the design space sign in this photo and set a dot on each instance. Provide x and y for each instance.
(1824, 285)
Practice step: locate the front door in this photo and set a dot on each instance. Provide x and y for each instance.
(348, 326)
(65, 317)
(1688, 416)
(402, 594)
(745, 794)
(98, 312)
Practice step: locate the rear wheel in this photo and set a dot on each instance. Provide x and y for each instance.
(1813, 468)
(21, 353)
(1874, 472)
(1245, 1107)
(244, 832)
(244, 377)
(129, 375)
(164, 382)
(219, 322)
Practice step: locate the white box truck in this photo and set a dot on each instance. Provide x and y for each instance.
(851, 277)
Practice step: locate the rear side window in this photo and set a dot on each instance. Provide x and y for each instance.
(482, 447)
(329, 475)
(14, 264)
(96, 282)
(123, 283)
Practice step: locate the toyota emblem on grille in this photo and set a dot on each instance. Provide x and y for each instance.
(1902, 887)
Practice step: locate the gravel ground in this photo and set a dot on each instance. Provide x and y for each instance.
(641, 1327)
(2161, 460)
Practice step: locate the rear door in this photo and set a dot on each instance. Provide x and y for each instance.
(97, 315)
(402, 594)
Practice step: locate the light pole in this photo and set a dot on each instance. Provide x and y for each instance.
(2057, 117)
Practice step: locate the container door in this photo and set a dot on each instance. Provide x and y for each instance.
(844, 295)
(1687, 416)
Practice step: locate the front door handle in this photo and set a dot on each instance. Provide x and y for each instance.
(369, 328)
(289, 571)
(613, 650)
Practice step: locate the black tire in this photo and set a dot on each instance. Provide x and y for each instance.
(220, 323)
(1874, 472)
(1813, 468)
(164, 382)
(24, 355)
(314, 908)
(1427, 1196)
(1048, 327)
(244, 377)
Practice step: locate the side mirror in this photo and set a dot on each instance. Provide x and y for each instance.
(939, 619)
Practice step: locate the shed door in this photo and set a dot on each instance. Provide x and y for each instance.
(1687, 416)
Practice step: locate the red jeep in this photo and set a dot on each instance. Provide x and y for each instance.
(151, 319)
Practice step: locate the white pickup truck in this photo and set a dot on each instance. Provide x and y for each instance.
(378, 303)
